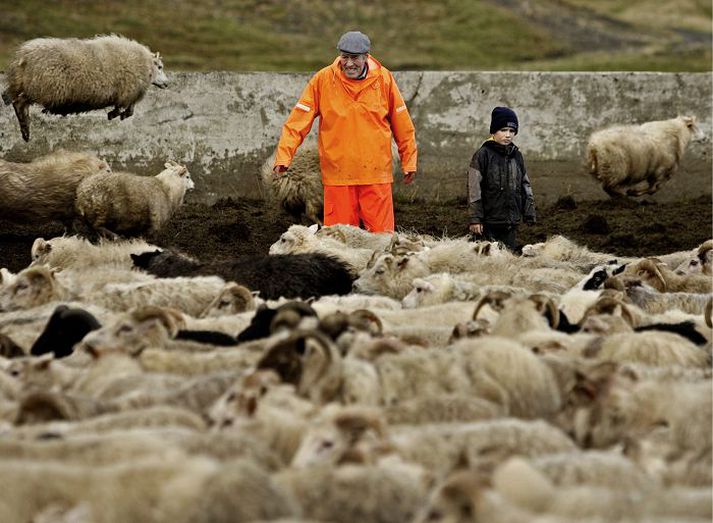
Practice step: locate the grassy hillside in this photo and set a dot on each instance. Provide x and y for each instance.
(299, 35)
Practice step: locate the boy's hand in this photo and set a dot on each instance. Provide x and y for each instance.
(409, 176)
(476, 228)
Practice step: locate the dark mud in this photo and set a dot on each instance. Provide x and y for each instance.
(233, 226)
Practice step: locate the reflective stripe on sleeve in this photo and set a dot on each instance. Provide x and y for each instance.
(402, 108)
(303, 107)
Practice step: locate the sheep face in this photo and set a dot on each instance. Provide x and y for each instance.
(391, 275)
(32, 287)
(697, 135)
(343, 435)
(158, 76)
(419, 295)
(134, 332)
(174, 169)
(295, 240)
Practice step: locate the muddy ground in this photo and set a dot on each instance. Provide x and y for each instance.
(231, 226)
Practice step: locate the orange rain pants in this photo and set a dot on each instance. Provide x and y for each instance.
(372, 204)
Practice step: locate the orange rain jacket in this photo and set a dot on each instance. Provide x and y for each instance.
(357, 119)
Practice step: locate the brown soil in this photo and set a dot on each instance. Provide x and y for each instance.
(230, 226)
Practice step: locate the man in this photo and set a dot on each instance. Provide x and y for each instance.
(360, 108)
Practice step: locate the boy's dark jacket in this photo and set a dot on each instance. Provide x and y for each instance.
(499, 189)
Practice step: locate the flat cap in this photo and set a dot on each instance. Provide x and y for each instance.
(354, 42)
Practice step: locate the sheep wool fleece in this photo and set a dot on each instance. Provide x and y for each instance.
(357, 121)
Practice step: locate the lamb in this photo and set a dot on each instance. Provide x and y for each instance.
(559, 249)
(299, 190)
(634, 160)
(72, 76)
(75, 252)
(45, 188)
(66, 326)
(274, 276)
(125, 203)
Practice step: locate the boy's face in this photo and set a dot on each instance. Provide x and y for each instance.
(504, 136)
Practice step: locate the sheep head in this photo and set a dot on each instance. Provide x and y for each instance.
(611, 306)
(32, 287)
(180, 171)
(40, 247)
(135, 331)
(232, 299)
(494, 298)
(340, 435)
(651, 273)
(158, 75)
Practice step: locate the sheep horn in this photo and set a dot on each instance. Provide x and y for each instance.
(496, 298)
(546, 306)
(708, 313)
(649, 267)
(366, 318)
(321, 367)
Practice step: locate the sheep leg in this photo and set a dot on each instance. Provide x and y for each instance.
(22, 111)
(106, 233)
(127, 112)
(614, 192)
(114, 112)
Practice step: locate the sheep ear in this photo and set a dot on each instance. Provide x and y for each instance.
(313, 228)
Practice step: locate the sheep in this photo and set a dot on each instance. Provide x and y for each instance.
(75, 252)
(31, 287)
(45, 188)
(66, 326)
(634, 160)
(300, 239)
(560, 249)
(356, 237)
(652, 301)
(274, 276)
(125, 203)
(298, 190)
(664, 279)
(232, 299)
(73, 76)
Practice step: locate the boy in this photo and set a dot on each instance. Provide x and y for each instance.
(499, 191)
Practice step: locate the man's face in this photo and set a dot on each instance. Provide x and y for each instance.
(352, 64)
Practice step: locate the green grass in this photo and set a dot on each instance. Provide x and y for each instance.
(299, 35)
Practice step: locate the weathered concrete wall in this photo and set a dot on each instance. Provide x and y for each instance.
(222, 125)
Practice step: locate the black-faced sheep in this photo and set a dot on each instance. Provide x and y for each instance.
(298, 190)
(72, 76)
(45, 188)
(634, 160)
(127, 204)
(274, 276)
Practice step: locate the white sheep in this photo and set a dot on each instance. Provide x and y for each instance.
(74, 252)
(72, 76)
(298, 190)
(633, 160)
(45, 188)
(125, 203)
(300, 239)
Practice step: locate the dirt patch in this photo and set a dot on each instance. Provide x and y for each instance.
(229, 227)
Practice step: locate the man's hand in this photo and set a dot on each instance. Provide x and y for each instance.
(476, 228)
(278, 170)
(409, 176)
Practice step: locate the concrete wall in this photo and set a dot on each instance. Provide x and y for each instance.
(223, 125)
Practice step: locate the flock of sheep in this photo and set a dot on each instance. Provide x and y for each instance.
(344, 376)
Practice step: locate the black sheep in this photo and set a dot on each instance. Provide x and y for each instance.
(274, 276)
(66, 327)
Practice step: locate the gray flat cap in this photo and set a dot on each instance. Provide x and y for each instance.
(354, 42)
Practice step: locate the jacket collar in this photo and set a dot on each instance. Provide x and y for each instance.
(505, 150)
(374, 71)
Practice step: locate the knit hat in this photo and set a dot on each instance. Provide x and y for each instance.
(354, 42)
(502, 117)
